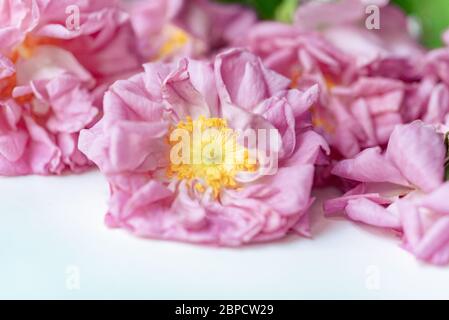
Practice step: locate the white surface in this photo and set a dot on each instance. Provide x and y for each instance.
(52, 231)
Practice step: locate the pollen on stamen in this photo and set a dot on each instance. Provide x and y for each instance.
(176, 40)
(216, 170)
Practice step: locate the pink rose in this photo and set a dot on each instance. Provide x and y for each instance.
(173, 29)
(207, 202)
(52, 77)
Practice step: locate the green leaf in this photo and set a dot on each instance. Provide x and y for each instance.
(433, 16)
(264, 8)
(286, 10)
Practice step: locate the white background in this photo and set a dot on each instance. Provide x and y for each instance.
(52, 239)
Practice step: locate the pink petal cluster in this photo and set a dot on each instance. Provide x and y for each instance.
(356, 106)
(386, 50)
(52, 77)
(170, 29)
(400, 189)
(129, 147)
(428, 99)
(363, 74)
(373, 85)
(425, 225)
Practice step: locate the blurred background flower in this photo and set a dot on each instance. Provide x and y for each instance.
(431, 16)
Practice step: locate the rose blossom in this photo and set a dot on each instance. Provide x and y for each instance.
(170, 29)
(428, 99)
(52, 77)
(387, 49)
(364, 75)
(207, 202)
(355, 111)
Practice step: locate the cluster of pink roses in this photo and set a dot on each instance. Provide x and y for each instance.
(362, 110)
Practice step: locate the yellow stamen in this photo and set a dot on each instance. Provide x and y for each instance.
(176, 40)
(214, 157)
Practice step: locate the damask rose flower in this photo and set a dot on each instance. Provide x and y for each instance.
(307, 59)
(364, 114)
(398, 189)
(428, 99)
(170, 29)
(354, 112)
(55, 65)
(374, 33)
(301, 56)
(222, 187)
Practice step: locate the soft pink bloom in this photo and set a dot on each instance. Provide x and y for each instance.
(412, 167)
(354, 111)
(298, 55)
(429, 98)
(314, 15)
(364, 114)
(170, 29)
(53, 73)
(307, 59)
(130, 147)
(386, 50)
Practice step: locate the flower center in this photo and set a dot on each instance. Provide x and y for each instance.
(206, 153)
(176, 40)
(24, 51)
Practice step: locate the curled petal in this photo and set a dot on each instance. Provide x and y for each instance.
(369, 166)
(418, 152)
(368, 212)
